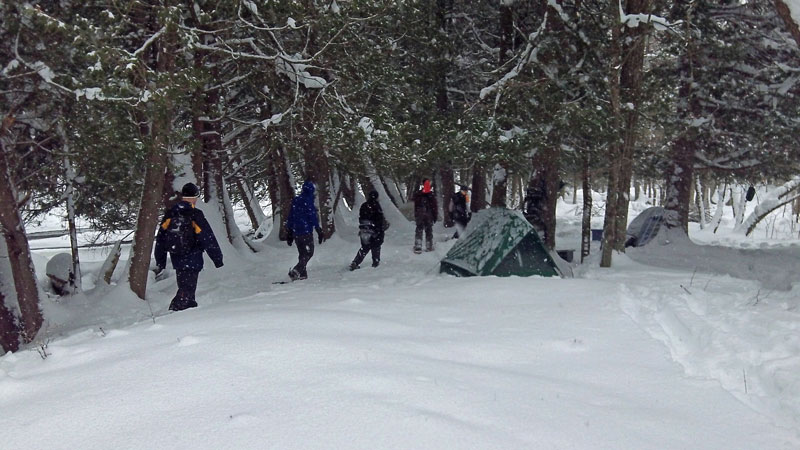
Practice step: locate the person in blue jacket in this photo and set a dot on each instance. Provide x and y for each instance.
(184, 234)
(300, 224)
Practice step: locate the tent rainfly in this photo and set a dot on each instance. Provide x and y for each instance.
(645, 227)
(501, 242)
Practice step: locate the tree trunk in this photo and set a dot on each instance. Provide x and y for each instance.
(285, 182)
(680, 175)
(75, 276)
(542, 193)
(390, 188)
(586, 219)
(9, 329)
(632, 42)
(349, 189)
(169, 194)
(251, 206)
(160, 115)
(448, 189)
(699, 203)
(19, 253)
(715, 221)
(616, 147)
(478, 188)
(9, 332)
(318, 170)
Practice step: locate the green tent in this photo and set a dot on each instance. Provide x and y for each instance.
(499, 241)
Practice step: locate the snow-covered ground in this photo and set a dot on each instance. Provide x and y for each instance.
(638, 356)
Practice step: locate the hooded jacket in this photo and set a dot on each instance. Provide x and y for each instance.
(370, 216)
(303, 218)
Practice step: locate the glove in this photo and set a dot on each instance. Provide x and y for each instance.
(321, 237)
(160, 273)
(289, 238)
(218, 264)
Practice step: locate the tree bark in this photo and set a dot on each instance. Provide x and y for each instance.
(285, 190)
(613, 200)
(785, 14)
(160, 115)
(680, 175)
(478, 188)
(318, 170)
(632, 48)
(542, 191)
(75, 275)
(19, 253)
(448, 189)
(9, 332)
(586, 219)
(9, 328)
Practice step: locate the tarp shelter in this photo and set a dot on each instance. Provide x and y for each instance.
(499, 241)
(644, 227)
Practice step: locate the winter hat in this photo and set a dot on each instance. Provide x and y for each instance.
(373, 195)
(426, 186)
(190, 190)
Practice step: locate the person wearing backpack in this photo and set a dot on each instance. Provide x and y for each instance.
(459, 210)
(371, 227)
(426, 213)
(300, 224)
(185, 234)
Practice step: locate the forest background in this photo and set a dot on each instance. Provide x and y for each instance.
(109, 105)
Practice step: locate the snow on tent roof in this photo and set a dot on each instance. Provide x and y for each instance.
(645, 226)
(499, 241)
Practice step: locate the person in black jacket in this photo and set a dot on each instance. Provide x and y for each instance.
(371, 228)
(459, 211)
(426, 213)
(184, 234)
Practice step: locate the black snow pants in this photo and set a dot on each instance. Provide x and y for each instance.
(187, 285)
(305, 250)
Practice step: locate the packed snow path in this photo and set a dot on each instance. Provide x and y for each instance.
(393, 357)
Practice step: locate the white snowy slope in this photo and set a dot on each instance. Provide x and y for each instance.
(633, 357)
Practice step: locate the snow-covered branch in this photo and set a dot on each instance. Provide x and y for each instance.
(526, 56)
(777, 198)
(149, 42)
(634, 20)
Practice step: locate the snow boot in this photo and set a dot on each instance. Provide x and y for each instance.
(354, 266)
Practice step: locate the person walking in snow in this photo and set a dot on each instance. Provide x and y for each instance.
(300, 224)
(426, 213)
(459, 210)
(185, 234)
(372, 225)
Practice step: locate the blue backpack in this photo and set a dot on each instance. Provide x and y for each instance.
(179, 236)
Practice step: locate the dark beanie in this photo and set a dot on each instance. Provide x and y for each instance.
(190, 190)
(373, 195)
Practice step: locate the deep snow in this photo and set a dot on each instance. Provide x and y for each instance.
(633, 357)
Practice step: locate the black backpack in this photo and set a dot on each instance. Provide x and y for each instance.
(179, 236)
